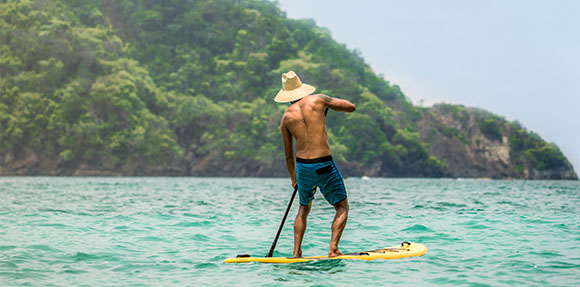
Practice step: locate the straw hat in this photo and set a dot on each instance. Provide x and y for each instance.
(292, 88)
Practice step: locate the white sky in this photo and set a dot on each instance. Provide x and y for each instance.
(519, 59)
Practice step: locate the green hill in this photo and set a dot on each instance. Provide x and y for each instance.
(183, 87)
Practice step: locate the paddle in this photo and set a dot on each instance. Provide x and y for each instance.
(282, 224)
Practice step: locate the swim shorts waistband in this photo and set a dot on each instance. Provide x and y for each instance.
(314, 160)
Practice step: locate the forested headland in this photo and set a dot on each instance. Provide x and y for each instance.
(186, 87)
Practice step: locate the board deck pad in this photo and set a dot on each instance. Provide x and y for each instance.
(405, 249)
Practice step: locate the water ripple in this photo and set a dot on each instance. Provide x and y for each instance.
(175, 231)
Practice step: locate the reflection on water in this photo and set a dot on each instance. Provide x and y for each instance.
(330, 266)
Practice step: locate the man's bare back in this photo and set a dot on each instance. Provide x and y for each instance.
(306, 122)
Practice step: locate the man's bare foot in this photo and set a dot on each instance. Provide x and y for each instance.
(335, 253)
(298, 254)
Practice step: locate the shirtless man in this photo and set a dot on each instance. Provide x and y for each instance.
(305, 121)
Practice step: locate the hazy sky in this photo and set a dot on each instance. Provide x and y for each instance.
(517, 59)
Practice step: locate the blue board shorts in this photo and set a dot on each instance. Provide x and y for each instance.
(322, 173)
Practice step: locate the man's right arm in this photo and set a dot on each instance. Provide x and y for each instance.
(289, 152)
(337, 104)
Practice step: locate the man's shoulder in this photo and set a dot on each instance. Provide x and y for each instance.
(315, 97)
(287, 114)
(291, 114)
(319, 98)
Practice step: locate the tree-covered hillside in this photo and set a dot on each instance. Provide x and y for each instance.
(185, 87)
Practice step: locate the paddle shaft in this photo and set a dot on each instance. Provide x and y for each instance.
(282, 223)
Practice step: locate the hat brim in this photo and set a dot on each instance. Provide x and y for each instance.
(284, 96)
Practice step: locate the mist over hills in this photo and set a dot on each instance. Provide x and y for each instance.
(184, 87)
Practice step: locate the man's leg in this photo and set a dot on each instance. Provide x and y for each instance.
(300, 227)
(338, 226)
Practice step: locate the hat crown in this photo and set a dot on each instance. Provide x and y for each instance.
(290, 81)
(292, 88)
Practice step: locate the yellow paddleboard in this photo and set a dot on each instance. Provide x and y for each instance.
(405, 249)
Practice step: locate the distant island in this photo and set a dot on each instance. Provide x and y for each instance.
(185, 88)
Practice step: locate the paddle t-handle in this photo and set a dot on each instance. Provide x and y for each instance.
(282, 223)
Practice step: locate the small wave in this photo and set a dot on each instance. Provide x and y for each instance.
(74, 271)
(418, 228)
(135, 268)
(537, 221)
(477, 226)
(200, 237)
(420, 206)
(228, 238)
(82, 256)
(56, 210)
(122, 227)
(562, 265)
(546, 254)
(205, 265)
(151, 239)
(514, 204)
(8, 265)
(7, 247)
(473, 224)
(43, 247)
(451, 204)
(193, 224)
(55, 225)
(491, 193)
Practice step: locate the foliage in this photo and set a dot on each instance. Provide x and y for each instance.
(491, 129)
(69, 90)
(173, 81)
(530, 147)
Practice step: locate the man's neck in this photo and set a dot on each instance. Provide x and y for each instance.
(293, 102)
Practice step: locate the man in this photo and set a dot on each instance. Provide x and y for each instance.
(305, 121)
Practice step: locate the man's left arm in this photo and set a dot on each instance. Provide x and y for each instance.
(337, 104)
(289, 152)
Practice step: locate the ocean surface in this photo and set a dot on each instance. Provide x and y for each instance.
(64, 231)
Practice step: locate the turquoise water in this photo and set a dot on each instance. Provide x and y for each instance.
(176, 231)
